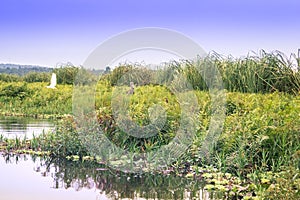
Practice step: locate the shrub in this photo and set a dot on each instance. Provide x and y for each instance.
(37, 77)
(19, 90)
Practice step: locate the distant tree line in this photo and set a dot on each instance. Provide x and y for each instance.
(65, 74)
(22, 69)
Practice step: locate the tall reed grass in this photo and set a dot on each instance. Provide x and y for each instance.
(262, 73)
(256, 73)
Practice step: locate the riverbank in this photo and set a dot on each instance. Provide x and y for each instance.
(253, 101)
(257, 154)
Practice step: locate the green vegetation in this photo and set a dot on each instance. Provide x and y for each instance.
(256, 156)
(65, 73)
(263, 73)
(115, 184)
(267, 72)
(34, 99)
(20, 70)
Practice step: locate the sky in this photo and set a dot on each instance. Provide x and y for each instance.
(51, 32)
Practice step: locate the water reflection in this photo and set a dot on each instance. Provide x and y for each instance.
(12, 127)
(104, 183)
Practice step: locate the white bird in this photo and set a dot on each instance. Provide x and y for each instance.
(53, 82)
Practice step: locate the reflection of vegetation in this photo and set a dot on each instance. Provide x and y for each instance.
(118, 185)
(261, 128)
(260, 135)
(115, 184)
(13, 123)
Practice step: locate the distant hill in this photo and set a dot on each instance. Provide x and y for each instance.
(22, 69)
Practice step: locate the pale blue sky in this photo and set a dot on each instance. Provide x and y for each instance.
(53, 31)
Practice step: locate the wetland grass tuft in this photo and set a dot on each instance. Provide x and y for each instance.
(260, 142)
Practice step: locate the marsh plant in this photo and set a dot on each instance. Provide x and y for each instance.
(257, 73)
(259, 144)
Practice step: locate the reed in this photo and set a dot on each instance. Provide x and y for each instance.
(261, 130)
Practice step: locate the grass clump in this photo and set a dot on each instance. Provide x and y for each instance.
(34, 99)
(260, 141)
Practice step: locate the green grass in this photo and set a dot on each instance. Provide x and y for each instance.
(264, 73)
(34, 99)
(260, 134)
(261, 126)
(257, 73)
(260, 130)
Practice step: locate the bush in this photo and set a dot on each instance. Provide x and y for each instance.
(261, 132)
(19, 90)
(37, 77)
(66, 74)
(125, 74)
(64, 141)
(9, 78)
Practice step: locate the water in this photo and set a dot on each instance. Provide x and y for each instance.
(29, 178)
(12, 127)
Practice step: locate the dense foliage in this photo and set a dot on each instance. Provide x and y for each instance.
(263, 73)
(21, 70)
(65, 73)
(34, 99)
(259, 144)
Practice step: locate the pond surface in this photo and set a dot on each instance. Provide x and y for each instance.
(28, 178)
(12, 127)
